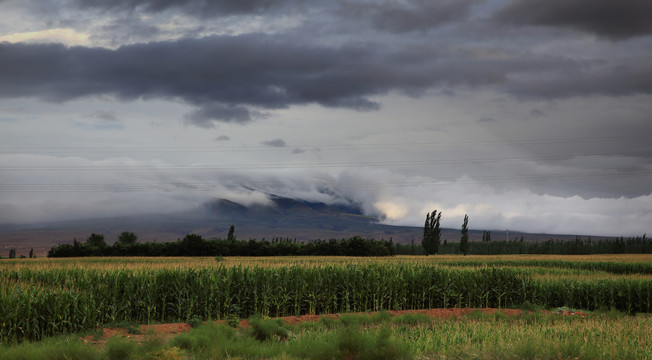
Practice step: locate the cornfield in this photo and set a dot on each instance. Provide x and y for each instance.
(42, 299)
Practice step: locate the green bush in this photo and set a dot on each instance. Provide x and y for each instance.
(209, 339)
(353, 343)
(195, 321)
(118, 348)
(264, 330)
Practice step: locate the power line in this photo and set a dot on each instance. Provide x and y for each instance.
(305, 165)
(289, 147)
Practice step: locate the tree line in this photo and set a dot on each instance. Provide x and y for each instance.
(577, 246)
(431, 241)
(196, 245)
(12, 254)
(431, 244)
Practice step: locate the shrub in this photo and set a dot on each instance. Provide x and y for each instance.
(264, 330)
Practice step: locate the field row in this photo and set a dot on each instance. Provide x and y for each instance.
(42, 302)
(631, 263)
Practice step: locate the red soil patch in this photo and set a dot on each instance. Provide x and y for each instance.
(576, 313)
(166, 331)
(433, 313)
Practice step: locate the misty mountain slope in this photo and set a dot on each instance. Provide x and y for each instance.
(282, 217)
(291, 214)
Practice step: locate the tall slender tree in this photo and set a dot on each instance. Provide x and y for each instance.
(231, 235)
(431, 233)
(464, 240)
(426, 233)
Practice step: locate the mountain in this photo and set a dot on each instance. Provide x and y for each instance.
(281, 217)
(301, 219)
(285, 213)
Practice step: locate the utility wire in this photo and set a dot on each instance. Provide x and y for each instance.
(289, 147)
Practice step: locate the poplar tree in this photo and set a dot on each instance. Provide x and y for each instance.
(431, 233)
(231, 235)
(464, 240)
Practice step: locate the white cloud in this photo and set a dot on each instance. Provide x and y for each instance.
(66, 36)
(391, 210)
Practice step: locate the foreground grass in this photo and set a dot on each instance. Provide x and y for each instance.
(475, 336)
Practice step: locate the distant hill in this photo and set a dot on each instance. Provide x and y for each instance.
(304, 220)
(282, 217)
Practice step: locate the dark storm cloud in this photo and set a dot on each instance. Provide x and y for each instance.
(275, 143)
(201, 8)
(389, 15)
(613, 19)
(616, 80)
(227, 77)
(237, 78)
(126, 29)
(414, 15)
(204, 116)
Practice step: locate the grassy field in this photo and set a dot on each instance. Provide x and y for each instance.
(381, 336)
(46, 297)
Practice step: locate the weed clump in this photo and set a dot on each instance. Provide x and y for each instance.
(118, 348)
(352, 343)
(264, 330)
(327, 322)
(380, 317)
(411, 319)
(195, 321)
(206, 339)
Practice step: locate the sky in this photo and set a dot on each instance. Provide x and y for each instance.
(526, 115)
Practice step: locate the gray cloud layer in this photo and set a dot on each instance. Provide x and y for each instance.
(229, 77)
(620, 19)
(201, 8)
(416, 15)
(616, 20)
(221, 74)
